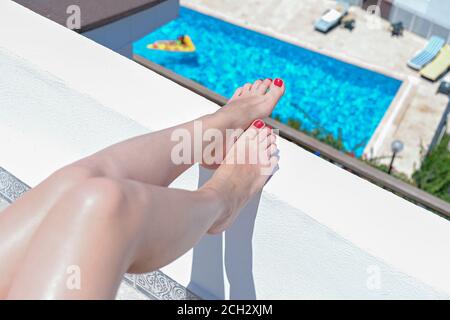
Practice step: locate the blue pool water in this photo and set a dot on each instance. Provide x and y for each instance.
(322, 92)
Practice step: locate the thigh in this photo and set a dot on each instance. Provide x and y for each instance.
(89, 234)
(19, 222)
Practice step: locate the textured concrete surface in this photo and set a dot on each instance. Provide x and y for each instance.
(370, 45)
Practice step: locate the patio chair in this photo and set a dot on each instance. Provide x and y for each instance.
(348, 22)
(330, 19)
(439, 66)
(425, 56)
(349, 25)
(397, 29)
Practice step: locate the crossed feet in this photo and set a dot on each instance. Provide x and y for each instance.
(253, 158)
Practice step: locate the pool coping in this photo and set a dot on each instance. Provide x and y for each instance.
(393, 114)
(391, 118)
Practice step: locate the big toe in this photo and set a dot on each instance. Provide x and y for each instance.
(276, 90)
(254, 130)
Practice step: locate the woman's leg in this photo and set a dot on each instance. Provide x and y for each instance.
(126, 160)
(19, 221)
(105, 227)
(148, 159)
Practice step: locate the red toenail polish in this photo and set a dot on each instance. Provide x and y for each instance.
(278, 82)
(258, 124)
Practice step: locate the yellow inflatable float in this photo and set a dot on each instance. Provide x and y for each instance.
(183, 44)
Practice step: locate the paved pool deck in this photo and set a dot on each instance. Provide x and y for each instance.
(417, 110)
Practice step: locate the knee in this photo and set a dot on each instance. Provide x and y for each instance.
(101, 198)
(70, 176)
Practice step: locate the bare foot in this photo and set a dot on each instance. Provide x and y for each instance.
(253, 101)
(250, 102)
(244, 172)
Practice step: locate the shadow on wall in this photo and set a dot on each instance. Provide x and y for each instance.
(208, 276)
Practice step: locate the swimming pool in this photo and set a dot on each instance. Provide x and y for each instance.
(322, 93)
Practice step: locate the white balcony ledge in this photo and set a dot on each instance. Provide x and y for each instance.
(318, 231)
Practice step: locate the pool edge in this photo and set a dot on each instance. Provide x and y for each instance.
(391, 118)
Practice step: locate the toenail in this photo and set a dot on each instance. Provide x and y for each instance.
(278, 82)
(258, 124)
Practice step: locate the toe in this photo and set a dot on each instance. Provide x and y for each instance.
(264, 133)
(259, 124)
(264, 86)
(254, 130)
(255, 86)
(237, 93)
(269, 169)
(276, 89)
(274, 163)
(271, 139)
(272, 149)
(246, 89)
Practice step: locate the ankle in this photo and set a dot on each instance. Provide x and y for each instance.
(229, 118)
(213, 194)
(217, 195)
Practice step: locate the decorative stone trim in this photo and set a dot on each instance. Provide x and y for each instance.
(155, 285)
(159, 286)
(11, 188)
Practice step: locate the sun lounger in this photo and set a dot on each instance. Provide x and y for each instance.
(428, 54)
(439, 66)
(330, 19)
